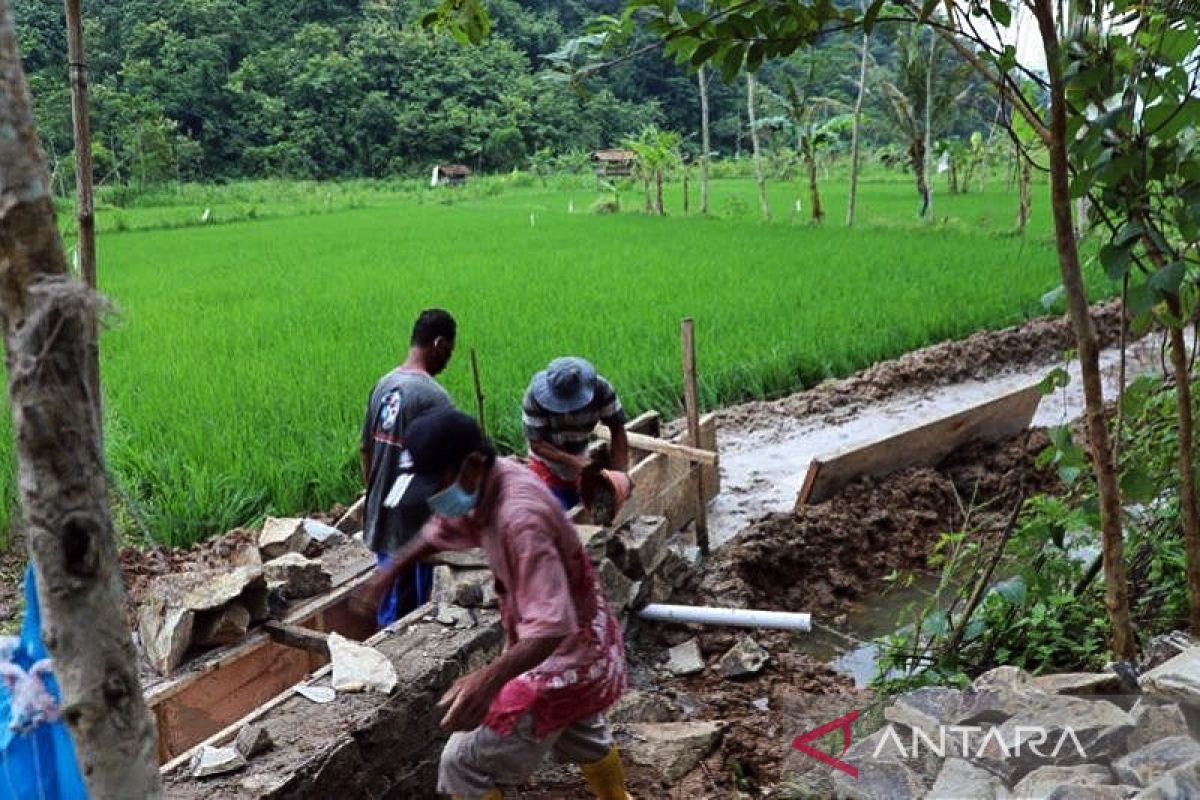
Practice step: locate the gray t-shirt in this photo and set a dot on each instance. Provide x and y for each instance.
(397, 399)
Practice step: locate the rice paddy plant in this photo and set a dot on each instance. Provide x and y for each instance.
(238, 365)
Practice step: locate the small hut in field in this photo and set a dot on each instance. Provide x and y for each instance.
(613, 163)
(450, 175)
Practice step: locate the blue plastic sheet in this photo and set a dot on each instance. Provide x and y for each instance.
(37, 758)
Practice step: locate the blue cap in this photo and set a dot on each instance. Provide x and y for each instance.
(567, 384)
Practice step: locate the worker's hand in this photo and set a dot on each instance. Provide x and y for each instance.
(468, 700)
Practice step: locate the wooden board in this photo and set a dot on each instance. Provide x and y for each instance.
(663, 485)
(924, 445)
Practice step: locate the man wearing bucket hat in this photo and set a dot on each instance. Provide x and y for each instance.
(563, 663)
(562, 405)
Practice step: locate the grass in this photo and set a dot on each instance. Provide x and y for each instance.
(238, 365)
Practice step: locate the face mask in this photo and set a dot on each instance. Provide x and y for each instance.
(453, 501)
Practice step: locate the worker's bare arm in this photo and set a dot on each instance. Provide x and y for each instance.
(620, 447)
(549, 453)
(471, 696)
(367, 598)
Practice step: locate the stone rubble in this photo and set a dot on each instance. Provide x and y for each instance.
(282, 535)
(743, 659)
(297, 576)
(359, 668)
(685, 658)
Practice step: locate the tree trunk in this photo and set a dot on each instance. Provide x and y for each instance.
(646, 190)
(851, 206)
(1116, 588)
(759, 177)
(1187, 470)
(705, 142)
(48, 318)
(814, 192)
(1025, 177)
(686, 203)
(927, 162)
(658, 192)
(916, 157)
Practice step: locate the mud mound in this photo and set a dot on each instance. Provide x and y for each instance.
(979, 356)
(832, 553)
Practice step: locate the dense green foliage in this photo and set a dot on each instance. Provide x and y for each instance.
(237, 365)
(209, 89)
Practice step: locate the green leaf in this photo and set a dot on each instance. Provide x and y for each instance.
(871, 15)
(1012, 590)
(1168, 279)
(1142, 298)
(1116, 260)
(1001, 13)
(1055, 379)
(704, 52)
(1137, 486)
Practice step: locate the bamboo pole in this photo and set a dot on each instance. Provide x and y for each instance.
(479, 396)
(85, 212)
(691, 407)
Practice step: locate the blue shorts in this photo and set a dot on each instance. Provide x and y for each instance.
(409, 592)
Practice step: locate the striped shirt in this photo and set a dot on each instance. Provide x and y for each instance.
(570, 432)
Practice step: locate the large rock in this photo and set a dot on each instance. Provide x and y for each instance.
(1043, 781)
(639, 546)
(888, 766)
(166, 633)
(619, 590)
(672, 749)
(929, 710)
(1164, 647)
(1078, 683)
(1054, 730)
(1181, 783)
(468, 588)
(210, 760)
(745, 658)
(995, 696)
(326, 536)
(1091, 793)
(961, 779)
(359, 668)
(471, 558)
(176, 604)
(1145, 766)
(282, 535)
(1153, 721)
(686, 658)
(253, 739)
(226, 625)
(639, 706)
(297, 576)
(1176, 679)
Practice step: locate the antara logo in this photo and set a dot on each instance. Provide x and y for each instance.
(801, 743)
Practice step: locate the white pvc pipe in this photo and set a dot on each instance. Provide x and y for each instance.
(738, 617)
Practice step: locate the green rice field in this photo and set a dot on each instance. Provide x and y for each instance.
(237, 367)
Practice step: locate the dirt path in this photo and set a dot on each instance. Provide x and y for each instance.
(766, 447)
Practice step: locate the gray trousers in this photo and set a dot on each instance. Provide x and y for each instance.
(476, 761)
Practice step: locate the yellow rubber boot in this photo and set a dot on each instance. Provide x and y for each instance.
(606, 777)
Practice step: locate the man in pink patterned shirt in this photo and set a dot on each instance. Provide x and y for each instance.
(563, 662)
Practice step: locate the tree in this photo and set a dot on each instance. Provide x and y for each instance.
(812, 135)
(752, 122)
(916, 112)
(657, 151)
(49, 319)
(852, 202)
(705, 138)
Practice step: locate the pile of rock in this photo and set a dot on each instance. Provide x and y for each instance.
(1010, 735)
(634, 562)
(210, 607)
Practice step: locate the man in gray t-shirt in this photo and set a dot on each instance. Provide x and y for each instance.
(398, 398)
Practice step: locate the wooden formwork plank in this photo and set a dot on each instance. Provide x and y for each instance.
(924, 444)
(661, 483)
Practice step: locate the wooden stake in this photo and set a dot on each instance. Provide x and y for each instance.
(691, 407)
(479, 396)
(85, 212)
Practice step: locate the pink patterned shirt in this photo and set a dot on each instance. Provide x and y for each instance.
(546, 586)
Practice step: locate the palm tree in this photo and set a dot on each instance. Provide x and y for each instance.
(657, 151)
(922, 101)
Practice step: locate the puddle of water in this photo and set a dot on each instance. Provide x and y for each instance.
(874, 618)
